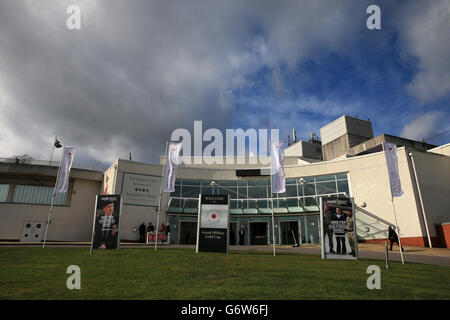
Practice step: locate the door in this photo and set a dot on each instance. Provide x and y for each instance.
(188, 232)
(233, 233)
(310, 228)
(258, 233)
(289, 232)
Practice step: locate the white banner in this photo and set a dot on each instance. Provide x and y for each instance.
(277, 163)
(172, 162)
(392, 163)
(62, 181)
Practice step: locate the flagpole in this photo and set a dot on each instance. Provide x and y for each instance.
(271, 195)
(160, 196)
(398, 230)
(53, 149)
(52, 201)
(393, 207)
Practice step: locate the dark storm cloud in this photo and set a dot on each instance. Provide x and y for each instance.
(134, 72)
(137, 70)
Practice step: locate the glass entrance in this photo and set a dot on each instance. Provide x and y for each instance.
(258, 233)
(310, 228)
(289, 232)
(188, 232)
(233, 233)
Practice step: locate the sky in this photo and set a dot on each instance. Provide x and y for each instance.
(137, 70)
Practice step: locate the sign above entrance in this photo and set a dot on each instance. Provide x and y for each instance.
(214, 199)
(141, 189)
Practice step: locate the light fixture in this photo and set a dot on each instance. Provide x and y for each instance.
(302, 181)
(213, 183)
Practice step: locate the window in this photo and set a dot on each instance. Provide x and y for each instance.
(243, 193)
(177, 192)
(328, 177)
(308, 189)
(4, 190)
(37, 195)
(326, 187)
(190, 191)
(341, 176)
(291, 190)
(175, 203)
(257, 192)
(343, 186)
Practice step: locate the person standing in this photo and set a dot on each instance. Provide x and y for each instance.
(393, 237)
(241, 236)
(167, 232)
(327, 215)
(350, 231)
(142, 230)
(162, 233)
(339, 224)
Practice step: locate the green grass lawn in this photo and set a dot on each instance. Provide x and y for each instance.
(142, 273)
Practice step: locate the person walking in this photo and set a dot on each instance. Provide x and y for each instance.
(393, 237)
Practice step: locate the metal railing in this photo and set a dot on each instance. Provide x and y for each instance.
(181, 202)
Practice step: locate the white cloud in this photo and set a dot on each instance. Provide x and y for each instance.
(425, 125)
(424, 33)
(138, 70)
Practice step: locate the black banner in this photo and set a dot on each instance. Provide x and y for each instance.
(339, 240)
(105, 233)
(213, 240)
(213, 224)
(214, 199)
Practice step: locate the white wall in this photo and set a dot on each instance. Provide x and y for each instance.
(73, 223)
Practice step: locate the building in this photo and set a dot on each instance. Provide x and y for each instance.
(357, 169)
(348, 136)
(363, 177)
(25, 196)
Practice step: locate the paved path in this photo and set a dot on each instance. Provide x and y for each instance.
(434, 256)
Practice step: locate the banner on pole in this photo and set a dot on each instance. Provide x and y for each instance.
(106, 226)
(212, 235)
(338, 228)
(170, 172)
(390, 150)
(277, 164)
(62, 181)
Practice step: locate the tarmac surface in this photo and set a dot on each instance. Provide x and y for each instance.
(433, 256)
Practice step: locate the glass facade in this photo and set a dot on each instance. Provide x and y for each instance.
(254, 196)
